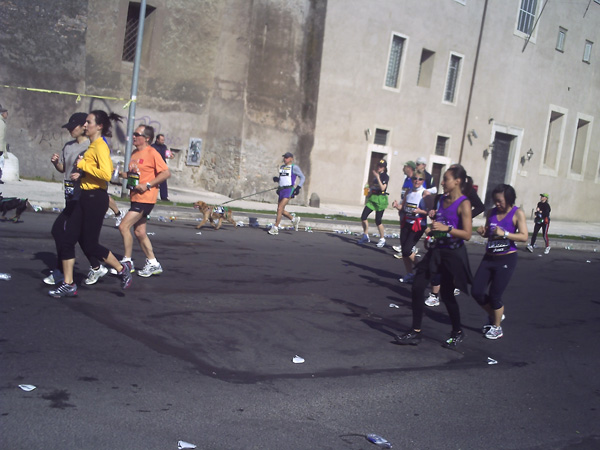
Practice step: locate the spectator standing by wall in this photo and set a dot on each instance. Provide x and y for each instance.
(161, 148)
(542, 221)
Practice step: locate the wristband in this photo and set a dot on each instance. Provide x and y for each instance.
(148, 186)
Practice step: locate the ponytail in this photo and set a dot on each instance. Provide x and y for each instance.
(104, 119)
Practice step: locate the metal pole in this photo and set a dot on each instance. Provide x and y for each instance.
(134, 88)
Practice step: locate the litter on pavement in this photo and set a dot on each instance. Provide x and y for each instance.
(491, 361)
(27, 387)
(183, 444)
(297, 360)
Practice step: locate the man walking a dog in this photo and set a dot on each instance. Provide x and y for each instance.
(147, 170)
(288, 174)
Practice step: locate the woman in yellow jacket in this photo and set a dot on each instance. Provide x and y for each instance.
(95, 169)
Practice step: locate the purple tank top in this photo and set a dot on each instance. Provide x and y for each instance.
(497, 245)
(449, 216)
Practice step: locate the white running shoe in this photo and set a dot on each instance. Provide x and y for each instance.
(398, 255)
(150, 269)
(494, 332)
(547, 250)
(296, 222)
(397, 248)
(530, 248)
(456, 292)
(55, 277)
(114, 271)
(432, 300)
(118, 219)
(381, 243)
(94, 275)
(273, 231)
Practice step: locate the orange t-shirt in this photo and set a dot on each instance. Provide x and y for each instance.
(148, 163)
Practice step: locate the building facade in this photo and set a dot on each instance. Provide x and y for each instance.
(508, 88)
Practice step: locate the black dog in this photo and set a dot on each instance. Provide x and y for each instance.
(8, 203)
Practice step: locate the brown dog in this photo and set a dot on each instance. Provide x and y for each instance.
(214, 213)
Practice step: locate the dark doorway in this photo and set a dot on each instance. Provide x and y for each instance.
(436, 172)
(499, 164)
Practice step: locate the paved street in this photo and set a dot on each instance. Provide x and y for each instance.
(203, 353)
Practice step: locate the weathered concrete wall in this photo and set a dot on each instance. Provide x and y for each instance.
(242, 76)
(42, 45)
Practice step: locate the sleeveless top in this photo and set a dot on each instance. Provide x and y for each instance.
(286, 175)
(449, 216)
(499, 245)
(413, 201)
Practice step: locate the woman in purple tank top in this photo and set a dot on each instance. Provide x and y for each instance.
(451, 226)
(505, 224)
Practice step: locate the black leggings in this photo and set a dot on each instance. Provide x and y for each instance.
(422, 279)
(93, 207)
(378, 215)
(536, 229)
(409, 238)
(495, 272)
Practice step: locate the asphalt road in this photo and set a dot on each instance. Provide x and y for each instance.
(203, 353)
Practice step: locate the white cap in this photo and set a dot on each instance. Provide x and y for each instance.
(421, 160)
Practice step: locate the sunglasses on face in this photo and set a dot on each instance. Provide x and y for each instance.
(138, 135)
(418, 179)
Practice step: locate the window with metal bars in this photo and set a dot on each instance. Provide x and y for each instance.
(395, 58)
(451, 80)
(441, 145)
(381, 136)
(131, 30)
(526, 16)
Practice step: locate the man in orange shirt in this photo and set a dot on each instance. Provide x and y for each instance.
(147, 170)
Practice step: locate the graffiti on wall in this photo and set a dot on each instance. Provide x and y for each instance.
(194, 152)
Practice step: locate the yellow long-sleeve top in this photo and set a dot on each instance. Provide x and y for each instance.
(97, 165)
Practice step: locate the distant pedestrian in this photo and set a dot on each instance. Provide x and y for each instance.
(3, 118)
(161, 148)
(541, 221)
(505, 225)
(421, 164)
(289, 173)
(377, 201)
(414, 222)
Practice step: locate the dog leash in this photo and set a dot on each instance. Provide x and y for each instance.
(246, 196)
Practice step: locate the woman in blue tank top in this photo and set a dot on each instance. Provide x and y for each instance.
(451, 227)
(505, 224)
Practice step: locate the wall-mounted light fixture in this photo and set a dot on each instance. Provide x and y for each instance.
(490, 120)
(488, 151)
(529, 154)
(367, 133)
(472, 134)
(526, 157)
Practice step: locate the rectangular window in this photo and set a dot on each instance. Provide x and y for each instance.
(553, 139)
(579, 150)
(452, 78)
(381, 136)
(395, 58)
(526, 16)
(131, 30)
(587, 51)
(441, 145)
(560, 41)
(425, 68)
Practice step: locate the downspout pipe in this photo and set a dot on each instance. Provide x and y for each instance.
(464, 135)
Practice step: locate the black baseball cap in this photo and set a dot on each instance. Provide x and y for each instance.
(288, 155)
(75, 120)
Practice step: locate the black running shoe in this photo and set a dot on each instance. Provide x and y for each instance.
(455, 339)
(125, 274)
(410, 338)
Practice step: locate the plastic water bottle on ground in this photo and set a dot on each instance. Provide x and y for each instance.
(5, 276)
(379, 441)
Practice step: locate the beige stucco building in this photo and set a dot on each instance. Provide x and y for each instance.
(458, 81)
(234, 84)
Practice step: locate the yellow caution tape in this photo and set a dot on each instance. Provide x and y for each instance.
(78, 99)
